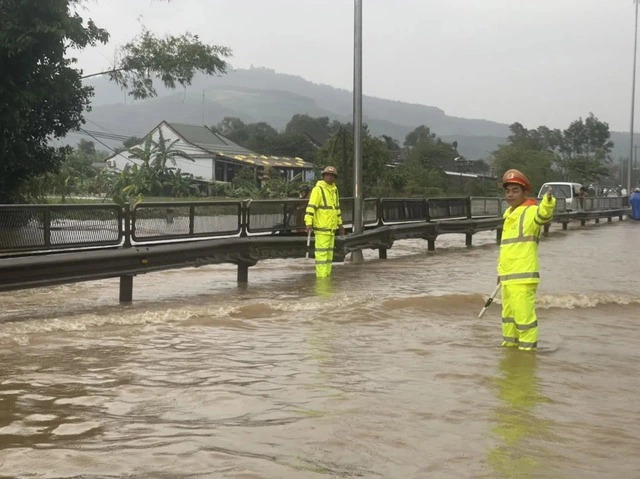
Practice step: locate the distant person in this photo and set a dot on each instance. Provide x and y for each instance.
(623, 191)
(582, 192)
(323, 217)
(635, 204)
(518, 261)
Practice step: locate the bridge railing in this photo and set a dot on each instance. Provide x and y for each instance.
(448, 208)
(174, 220)
(50, 227)
(403, 210)
(603, 203)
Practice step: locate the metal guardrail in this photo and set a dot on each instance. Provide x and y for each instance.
(29, 228)
(485, 206)
(402, 210)
(602, 203)
(166, 221)
(448, 208)
(47, 227)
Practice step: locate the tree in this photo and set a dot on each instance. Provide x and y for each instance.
(536, 164)
(391, 143)
(317, 130)
(579, 153)
(338, 151)
(41, 89)
(421, 133)
(175, 60)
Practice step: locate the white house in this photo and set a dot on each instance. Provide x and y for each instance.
(215, 157)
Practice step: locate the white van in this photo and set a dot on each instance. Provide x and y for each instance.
(566, 190)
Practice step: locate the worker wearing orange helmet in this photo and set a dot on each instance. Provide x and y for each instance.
(323, 217)
(518, 262)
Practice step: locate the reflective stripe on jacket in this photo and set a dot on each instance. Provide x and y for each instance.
(518, 261)
(323, 210)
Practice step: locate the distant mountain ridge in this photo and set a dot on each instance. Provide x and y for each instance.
(261, 94)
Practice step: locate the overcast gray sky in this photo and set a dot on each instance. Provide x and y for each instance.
(533, 61)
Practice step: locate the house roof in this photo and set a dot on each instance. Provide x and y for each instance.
(217, 144)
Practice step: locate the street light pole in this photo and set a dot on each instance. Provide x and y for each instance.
(356, 256)
(633, 96)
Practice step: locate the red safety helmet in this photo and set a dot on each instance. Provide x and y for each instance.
(516, 177)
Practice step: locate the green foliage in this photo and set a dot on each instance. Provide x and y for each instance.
(580, 153)
(338, 151)
(42, 94)
(264, 139)
(430, 151)
(537, 165)
(151, 174)
(317, 130)
(174, 60)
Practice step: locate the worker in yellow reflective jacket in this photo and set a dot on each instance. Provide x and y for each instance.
(518, 263)
(323, 217)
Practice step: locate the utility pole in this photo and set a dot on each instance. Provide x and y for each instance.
(633, 95)
(358, 201)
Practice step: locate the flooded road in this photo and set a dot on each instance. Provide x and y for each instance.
(383, 371)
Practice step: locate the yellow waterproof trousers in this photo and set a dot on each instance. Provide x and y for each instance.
(519, 321)
(324, 254)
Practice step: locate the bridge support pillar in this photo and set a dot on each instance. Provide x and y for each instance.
(545, 231)
(382, 253)
(468, 240)
(431, 245)
(126, 288)
(243, 273)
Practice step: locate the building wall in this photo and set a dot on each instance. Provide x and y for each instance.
(202, 166)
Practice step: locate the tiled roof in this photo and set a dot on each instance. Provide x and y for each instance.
(218, 144)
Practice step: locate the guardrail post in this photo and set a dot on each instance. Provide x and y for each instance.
(431, 244)
(545, 231)
(126, 288)
(498, 235)
(126, 218)
(583, 222)
(244, 217)
(47, 227)
(382, 253)
(468, 240)
(243, 272)
(192, 219)
(609, 219)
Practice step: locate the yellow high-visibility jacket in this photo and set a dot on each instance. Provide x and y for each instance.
(323, 210)
(518, 261)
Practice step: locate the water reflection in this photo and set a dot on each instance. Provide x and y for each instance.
(324, 287)
(518, 424)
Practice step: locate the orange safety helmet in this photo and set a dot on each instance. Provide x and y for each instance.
(330, 170)
(517, 177)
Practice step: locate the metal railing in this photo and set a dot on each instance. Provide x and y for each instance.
(46, 227)
(173, 220)
(28, 228)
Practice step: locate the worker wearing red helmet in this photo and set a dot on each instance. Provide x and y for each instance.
(518, 262)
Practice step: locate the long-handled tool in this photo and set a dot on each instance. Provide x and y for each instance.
(308, 243)
(490, 300)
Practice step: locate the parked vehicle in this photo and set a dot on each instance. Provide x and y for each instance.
(563, 189)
